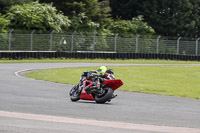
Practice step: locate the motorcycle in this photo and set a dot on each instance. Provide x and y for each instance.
(102, 92)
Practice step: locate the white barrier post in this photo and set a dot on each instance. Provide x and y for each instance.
(178, 41)
(31, 47)
(115, 47)
(197, 45)
(9, 41)
(94, 35)
(137, 43)
(51, 40)
(157, 50)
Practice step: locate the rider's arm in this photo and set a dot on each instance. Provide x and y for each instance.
(103, 75)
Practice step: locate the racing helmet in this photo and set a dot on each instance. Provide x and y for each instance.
(101, 70)
(110, 71)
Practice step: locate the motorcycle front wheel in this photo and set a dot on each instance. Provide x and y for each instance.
(75, 94)
(106, 96)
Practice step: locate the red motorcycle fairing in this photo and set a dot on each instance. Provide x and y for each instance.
(113, 83)
(84, 94)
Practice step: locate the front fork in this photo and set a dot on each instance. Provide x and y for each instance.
(81, 84)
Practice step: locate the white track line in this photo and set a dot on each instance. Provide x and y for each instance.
(110, 124)
(18, 75)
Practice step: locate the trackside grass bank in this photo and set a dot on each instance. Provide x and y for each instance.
(170, 80)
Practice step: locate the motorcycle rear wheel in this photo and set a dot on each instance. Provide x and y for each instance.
(104, 97)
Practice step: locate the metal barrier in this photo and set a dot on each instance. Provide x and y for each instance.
(35, 41)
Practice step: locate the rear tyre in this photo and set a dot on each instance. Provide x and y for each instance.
(106, 96)
(75, 94)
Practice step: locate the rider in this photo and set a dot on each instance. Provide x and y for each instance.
(91, 76)
(103, 74)
(100, 71)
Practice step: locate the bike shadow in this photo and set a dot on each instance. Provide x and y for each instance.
(93, 102)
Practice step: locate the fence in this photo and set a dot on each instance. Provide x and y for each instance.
(73, 42)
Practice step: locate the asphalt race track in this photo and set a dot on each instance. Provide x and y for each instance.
(33, 106)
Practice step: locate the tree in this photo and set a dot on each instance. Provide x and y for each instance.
(71, 7)
(3, 22)
(95, 13)
(3, 33)
(37, 16)
(81, 22)
(125, 9)
(166, 17)
(173, 18)
(6, 4)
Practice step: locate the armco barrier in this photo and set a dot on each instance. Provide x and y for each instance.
(95, 55)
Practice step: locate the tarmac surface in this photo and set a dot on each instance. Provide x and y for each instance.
(28, 105)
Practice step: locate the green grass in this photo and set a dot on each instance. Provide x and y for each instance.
(182, 81)
(64, 60)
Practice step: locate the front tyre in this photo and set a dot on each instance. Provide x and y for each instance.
(75, 94)
(106, 96)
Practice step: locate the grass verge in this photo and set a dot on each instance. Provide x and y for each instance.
(176, 80)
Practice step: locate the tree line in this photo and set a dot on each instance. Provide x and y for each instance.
(107, 17)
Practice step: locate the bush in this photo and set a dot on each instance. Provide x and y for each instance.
(131, 28)
(37, 16)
